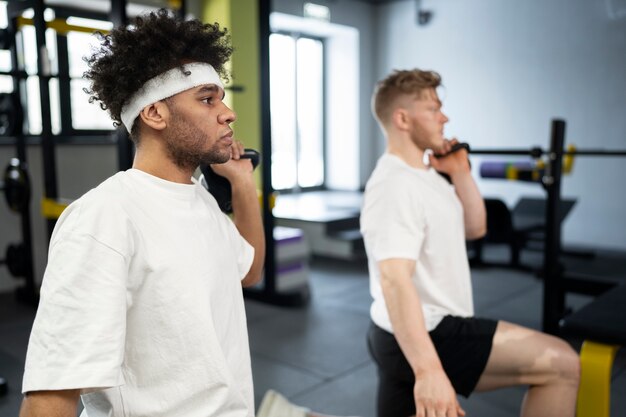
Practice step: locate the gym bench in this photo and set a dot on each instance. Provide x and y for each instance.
(602, 325)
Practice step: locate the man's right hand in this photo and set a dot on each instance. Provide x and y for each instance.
(434, 395)
(450, 163)
(237, 167)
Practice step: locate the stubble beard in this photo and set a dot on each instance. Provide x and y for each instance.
(423, 140)
(185, 145)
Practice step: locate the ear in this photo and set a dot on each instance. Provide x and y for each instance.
(400, 118)
(156, 115)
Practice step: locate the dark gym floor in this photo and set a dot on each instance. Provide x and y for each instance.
(317, 356)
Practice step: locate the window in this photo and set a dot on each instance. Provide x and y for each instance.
(6, 81)
(297, 111)
(70, 110)
(85, 115)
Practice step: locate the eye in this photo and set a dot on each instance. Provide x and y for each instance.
(208, 100)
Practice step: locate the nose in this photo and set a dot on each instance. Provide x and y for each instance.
(227, 115)
(444, 118)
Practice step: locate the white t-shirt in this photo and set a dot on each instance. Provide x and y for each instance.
(415, 214)
(141, 304)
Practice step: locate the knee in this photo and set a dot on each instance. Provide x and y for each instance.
(568, 364)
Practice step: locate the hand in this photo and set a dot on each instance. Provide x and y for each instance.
(450, 164)
(434, 396)
(236, 168)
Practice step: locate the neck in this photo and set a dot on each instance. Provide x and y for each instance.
(151, 157)
(404, 148)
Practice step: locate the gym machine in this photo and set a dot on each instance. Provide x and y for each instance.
(118, 15)
(556, 281)
(16, 187)
(18, 256)
(15, 182)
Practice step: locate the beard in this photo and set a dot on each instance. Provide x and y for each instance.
(185, 144)
(424, 139)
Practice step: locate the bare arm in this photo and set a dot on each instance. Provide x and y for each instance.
(247, 217)
(474, 213)
(246, 208)
(433, 390)
(456, 165)
(50, 404)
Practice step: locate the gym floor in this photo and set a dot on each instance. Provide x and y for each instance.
(317, 357)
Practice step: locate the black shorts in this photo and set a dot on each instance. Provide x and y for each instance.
(463, 346)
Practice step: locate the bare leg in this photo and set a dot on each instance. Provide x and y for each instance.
(551, 368)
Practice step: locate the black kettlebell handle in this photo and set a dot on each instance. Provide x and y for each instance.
(456, 147)
(252, 155)
(219, 186)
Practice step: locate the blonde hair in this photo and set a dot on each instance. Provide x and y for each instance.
(398, 84)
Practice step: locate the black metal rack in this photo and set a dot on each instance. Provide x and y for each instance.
(556, 282)
(268, 293)
(48, 141)
(28, 293)
(125, 149)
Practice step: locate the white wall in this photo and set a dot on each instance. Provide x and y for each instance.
(509, 67)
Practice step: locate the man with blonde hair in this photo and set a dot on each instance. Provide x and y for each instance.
(423, 336)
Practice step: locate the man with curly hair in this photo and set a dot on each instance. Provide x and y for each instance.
(423, 337)
(141, 308)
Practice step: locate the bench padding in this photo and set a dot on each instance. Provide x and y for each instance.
(603, 320)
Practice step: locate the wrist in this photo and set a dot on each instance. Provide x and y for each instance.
(426, 365)
(430, 369)
(460, 173)
(242, 181)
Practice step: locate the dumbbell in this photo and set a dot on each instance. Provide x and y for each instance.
(16, 186)
(16, 259)
(219, 186)
(11, 114)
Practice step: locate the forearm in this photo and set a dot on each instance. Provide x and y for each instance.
(474, 214)
(247, 219)
(407, 318)
(50, 404)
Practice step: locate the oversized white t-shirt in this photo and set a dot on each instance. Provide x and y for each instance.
(415, 214)
(141, 304)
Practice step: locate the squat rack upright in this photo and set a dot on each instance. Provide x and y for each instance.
(15, 9)
(556, 283)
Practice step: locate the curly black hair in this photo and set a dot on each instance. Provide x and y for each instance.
(150, 45)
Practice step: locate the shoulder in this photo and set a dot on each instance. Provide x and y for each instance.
(108, 195)
(102, 208)
(114, 190)
(393, 179)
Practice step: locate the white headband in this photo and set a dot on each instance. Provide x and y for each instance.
(166, 85)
